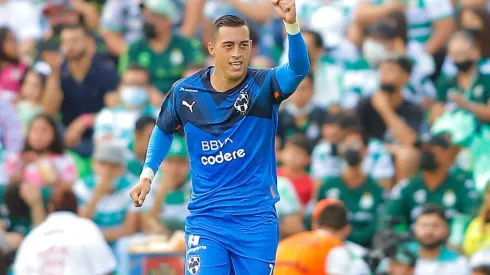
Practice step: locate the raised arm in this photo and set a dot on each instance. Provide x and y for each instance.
(289, 75)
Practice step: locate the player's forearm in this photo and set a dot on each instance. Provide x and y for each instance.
(298, 66)
(157, 150)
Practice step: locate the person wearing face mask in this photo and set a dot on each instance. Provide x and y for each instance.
(117, 124)
(361, 194)
(299, 115)
(165, 54)
(433, 255)
(476, 22)
(390, 118)
(435, 183)
(469, 90)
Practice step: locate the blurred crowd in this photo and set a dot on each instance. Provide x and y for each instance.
(394, 116)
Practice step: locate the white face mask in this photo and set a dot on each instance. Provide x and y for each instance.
(373, 51)
(134, 97)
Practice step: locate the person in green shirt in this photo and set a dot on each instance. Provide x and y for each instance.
(469, 90)
(361, 194)
(435, 183)
(136, 152)
(165, 54)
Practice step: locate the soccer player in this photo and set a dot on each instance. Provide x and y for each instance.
(229, 115)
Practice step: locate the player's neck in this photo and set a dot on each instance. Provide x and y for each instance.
(222, 84)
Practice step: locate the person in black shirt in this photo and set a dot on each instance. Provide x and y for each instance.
(387, 116)
(299, 115)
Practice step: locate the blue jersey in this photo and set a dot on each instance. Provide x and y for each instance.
(230, 137)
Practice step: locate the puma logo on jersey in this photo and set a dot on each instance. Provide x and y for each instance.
(190, 106)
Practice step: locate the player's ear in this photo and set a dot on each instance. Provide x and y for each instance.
(211, 48)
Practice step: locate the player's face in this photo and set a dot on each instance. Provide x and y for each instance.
(231, 50)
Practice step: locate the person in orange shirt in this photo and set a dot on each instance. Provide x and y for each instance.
(322, 250)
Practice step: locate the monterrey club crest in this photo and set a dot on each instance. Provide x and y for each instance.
(194, 264)
(242, 103)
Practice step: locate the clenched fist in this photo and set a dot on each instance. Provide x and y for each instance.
(286, 9)
(139, 191)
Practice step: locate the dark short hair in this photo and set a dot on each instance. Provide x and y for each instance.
(64, 199)
(301, 141)
(463, 35)
(401, 60)
(136, 67)
(144, 121)
(357, 130)
(333, 216)
(228, 20)
(317, 38)
(434, 209)
(76, 26)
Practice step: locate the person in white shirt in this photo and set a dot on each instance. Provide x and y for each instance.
(64, 244)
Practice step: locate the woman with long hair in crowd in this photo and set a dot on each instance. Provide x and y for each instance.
(43, 160)
(478, 233)
(11, 70)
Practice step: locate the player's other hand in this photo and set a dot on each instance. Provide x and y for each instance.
(139, 191)
(286, 9)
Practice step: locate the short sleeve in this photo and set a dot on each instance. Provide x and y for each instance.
(278, 95)
(103, 124)
(441, 90)
(98, 251)
(168, 120)
(289, 203)
(439, 9)
(112, 16)
(383, 168)
(337, 261)
(396, 205)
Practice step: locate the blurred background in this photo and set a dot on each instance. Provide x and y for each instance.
(394, 115)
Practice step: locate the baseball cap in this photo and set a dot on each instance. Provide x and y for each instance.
(166, 8)
(109, 152)
(57, 4)
(178, 149)
(481, 259)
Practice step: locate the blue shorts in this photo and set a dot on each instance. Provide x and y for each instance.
(223, 244)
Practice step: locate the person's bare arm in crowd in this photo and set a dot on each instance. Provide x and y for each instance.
(192, 17)
(89, 12)
(291, 224)
(368, 13)
(130, 227)
(53, 96)
(441, 33)
(481, 111)
(259, 12)
(104, 186)
(33, 198)
(115, 42)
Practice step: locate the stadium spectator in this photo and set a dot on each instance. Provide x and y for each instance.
(388, 117)
(11, 69)
(327, 162)
(478, 232)
(22, 18)
(164, 53)
(76, 91)
(295, 159)
(323, 250)
(11, 139)
(31, 94)
(137, 149)
(469, 89)
(433, 256)
(402, 262)
(102, 196)
(300, 115)
(361, 194)
(58, 240)
(476, 22)
(43, 161)
(435, 183)
(117, 124)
